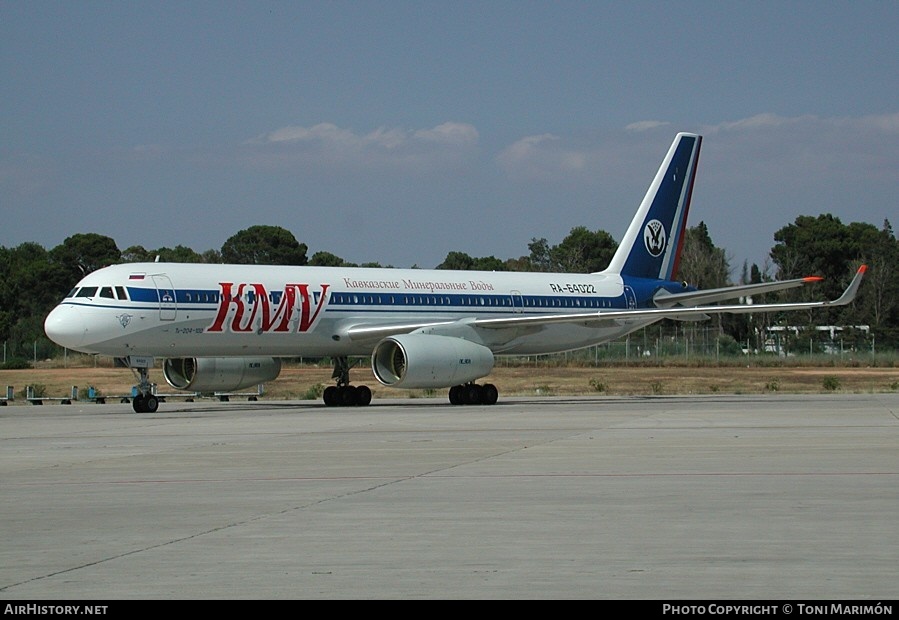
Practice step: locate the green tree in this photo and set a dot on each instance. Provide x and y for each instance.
(212, 257)
(326, 259)
(825, 246)
(540, 258)
(178, 254)
(464, 262)
(702, 264)
(489, 263)
(264, 245)
(459, 261)
(879, 295)
(814, 246)
(136, 254)
(84, 253)
(582, 251)
(30, 285)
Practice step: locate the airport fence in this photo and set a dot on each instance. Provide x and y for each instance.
(659, 344)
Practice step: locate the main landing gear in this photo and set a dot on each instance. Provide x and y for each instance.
(145, 401)
(473, 394)
(343, 394)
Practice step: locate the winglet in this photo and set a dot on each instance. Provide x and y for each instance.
(812, 279)
(851, 290)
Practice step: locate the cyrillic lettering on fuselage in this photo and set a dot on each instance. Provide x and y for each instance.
(238, 314)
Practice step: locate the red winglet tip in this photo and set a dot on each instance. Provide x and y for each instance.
(813, 279)
(863, 269)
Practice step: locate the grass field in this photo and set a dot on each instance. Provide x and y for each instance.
(306, 381)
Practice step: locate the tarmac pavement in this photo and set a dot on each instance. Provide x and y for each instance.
(711, 497)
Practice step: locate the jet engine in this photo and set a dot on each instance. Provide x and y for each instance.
(429, 361)
(219, 374)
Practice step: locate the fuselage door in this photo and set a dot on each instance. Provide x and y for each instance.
(168, 308)
(517, 302)
(630, 297)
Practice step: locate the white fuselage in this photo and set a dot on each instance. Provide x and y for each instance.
(176, 310)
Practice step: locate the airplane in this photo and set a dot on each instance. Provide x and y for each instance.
(226, 327)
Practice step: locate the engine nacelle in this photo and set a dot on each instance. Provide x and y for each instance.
(219, 374)
(428, 361)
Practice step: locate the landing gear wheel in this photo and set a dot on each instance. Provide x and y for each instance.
(473, 394)
(144, 400)
(151, 404)
(346, 395)
(145, 404)
(489, 394)
(363, 396)
(343, 394)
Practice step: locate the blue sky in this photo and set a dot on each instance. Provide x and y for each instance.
(397, 132)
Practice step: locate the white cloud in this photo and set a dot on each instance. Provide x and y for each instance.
(300, 134)
(646, 125)
(767, 147)
(543, 157)
(461, 134)
(753, 122)
(326, 144)
(888, 123)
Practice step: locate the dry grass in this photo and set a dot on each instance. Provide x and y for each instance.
(306, 382)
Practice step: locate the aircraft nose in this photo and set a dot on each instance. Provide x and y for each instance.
(66, 326)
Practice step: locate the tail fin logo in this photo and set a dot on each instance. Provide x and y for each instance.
(654, 237)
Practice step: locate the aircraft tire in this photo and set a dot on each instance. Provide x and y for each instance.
(346, 395)
(363, 396)
(138, 404)
(330, 396)
(489, 394)
(474, 394)
(151, 404)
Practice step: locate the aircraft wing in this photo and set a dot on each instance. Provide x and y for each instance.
(617, 317)
(620, 316)
(665, 300)
(378, 331)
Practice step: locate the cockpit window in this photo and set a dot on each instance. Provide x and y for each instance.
(120, 293)
(106, 291)
(87, 291)
(73, 292)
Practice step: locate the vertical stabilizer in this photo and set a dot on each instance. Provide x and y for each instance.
(652, 245)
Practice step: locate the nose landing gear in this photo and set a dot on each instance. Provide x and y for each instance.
(145, 401)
